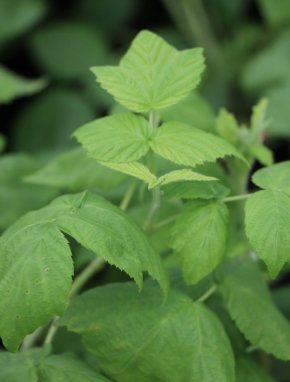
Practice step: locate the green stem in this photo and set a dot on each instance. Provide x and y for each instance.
(165, 222)
(93, 267)
(128, 196)
(236, 198)
(153, 208)
(208, 293)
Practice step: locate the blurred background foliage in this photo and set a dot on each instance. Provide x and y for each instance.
(47, 90)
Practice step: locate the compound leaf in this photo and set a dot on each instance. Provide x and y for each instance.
(119, 138)
(268, 227)
(199, 238)
(152, 74)
(148, 339)
(36, 266)
(187, 146)
(251, 307)
(35, 259)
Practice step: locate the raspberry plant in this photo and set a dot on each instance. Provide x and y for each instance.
(207, 245)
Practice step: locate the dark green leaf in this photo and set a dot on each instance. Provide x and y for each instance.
(148, 339)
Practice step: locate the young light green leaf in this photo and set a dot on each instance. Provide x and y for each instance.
(146, 339)
(262, 153)
(152, 74)
(251, 307)
(13, 86)
(119, 138)
(196, 190)
(136, 169)
(275, 177)
(107, 231)
(258, 120)
(199, 238)
(187, 146)
(227, 127)
(248, 370)
(181, 175)
(35, 279)
(74, 171)
(268, 227)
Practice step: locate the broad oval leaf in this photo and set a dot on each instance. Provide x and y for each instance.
(251, 307)
(187, 146)
(267, 219)
(119, 138)
(275, 177)
(148, 339)
(35, 279)
(152, 74)
(199, 238)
